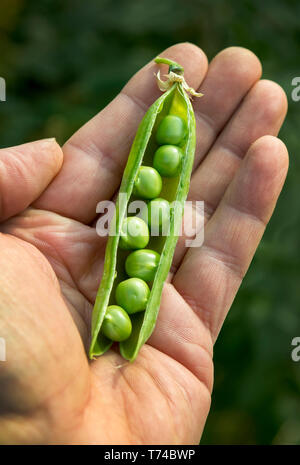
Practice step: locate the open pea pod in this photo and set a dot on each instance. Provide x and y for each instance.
(174, 101)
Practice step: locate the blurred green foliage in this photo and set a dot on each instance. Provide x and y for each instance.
(64, 61)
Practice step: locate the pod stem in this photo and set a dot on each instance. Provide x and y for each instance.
(175, 76)
(173, 66)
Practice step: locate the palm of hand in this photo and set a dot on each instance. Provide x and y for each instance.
(52, 260)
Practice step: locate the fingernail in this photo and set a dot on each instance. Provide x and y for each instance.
(48, 141)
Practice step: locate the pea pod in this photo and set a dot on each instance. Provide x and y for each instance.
(174, 102)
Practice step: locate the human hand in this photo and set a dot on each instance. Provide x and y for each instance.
(51, 261)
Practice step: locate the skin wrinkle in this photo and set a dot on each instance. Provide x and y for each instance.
(198, 310)
(85, 275)
(104, 404)
(188, 399)
(186, 395)
(199, 368)
(17, 167)
(225, 259)
(262, 222)
(163, 391)
(81, 317)
(63, 261)
(54, 258)
(191, 372)
(80, 414)
(98, 154)
(207, 350)
(208, 121)
(209, 210)
(136, 101)
(177, 261)
(119, 376)
(232, 149)
(201, 154)
(133, 432)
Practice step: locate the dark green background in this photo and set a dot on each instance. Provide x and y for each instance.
(64, 60)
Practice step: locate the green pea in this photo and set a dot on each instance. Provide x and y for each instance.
(167, 160)
(142, 264)
(157, 215)
(148, 183)
(133, 295)
(134, 234)
(172, 130)
(116, 324)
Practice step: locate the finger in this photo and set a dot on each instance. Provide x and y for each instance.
(209, 277)
(25, 172)
(96, 155)
(230, 76)
(261, 113)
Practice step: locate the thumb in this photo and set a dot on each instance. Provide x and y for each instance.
(25, 172)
